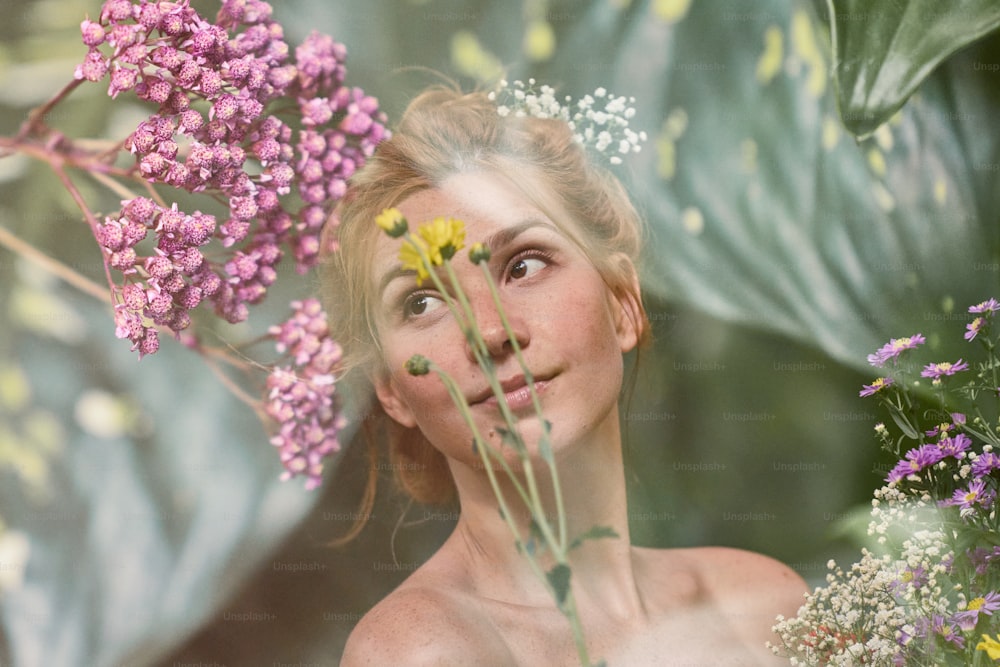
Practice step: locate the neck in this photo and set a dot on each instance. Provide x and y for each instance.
(592, 481)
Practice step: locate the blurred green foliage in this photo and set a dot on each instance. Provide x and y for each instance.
(141, 520)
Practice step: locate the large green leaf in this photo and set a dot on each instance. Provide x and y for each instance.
(763, 210)
(884, 49)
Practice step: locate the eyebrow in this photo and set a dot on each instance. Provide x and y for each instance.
(497, 239)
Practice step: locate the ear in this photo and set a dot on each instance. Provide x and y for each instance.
(630, 323)
(388, 395)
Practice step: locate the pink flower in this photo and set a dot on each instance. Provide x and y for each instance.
(894, 348)
(936, 371)
(876, 386)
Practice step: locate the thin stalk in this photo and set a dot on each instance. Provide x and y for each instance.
(91, 220)
(569, 606)
(509, 418)
(557, 489)
(34, 120)
(55, 267)
(252, 401)
(113, 185)
(466, 321)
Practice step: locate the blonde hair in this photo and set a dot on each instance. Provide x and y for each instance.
(445, 132)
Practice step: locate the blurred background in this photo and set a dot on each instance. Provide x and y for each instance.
(141, 517)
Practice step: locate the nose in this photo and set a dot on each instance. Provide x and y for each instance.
(490, 322)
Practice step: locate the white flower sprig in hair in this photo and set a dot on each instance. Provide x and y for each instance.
(603, 128)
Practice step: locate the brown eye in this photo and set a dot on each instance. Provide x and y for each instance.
(419, 304)
(522, 268)
(416, 305)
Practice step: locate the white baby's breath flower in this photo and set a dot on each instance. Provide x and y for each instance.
(603, 130)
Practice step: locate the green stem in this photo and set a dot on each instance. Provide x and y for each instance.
(482, 446)
(461, 309)
(538, 512)
(466, 324)
(545, 446)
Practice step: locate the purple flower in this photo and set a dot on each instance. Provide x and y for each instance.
(974, 328)
(986, 604)
(987, 307)
(982, 558)
(876, 386)
(967, 499)
(301, 397)
(915, 577)
(894, 348)
(955, 445)
(92, 32)
(914, 461)
(985, 463)
(938, 370)
(947, 632)
(944, 428)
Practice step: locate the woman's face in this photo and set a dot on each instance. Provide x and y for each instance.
(571, 329)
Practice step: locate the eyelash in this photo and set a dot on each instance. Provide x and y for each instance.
(532, 253)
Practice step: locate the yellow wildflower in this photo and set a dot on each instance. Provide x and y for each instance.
(991, 646)
(444, 237)
(411, 259)
(391, 220)
(438, 240)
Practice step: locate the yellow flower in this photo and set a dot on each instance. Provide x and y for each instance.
(991, 646)
(410, 257)
(478, 253)
(439, 240)
(444, 237)
(391, 220)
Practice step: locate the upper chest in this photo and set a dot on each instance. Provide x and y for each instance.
(697, 635)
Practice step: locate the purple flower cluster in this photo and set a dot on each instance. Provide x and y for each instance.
(219, 88)
(301, 396)
(158, 290)
(920, 458)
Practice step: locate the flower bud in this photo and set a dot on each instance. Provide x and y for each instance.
(418, 365)
(391, 221)
(478, 253)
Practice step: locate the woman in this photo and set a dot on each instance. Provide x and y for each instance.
(562, 234)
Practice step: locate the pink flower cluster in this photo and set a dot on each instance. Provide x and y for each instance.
(174, 279)
(301, 396)
(219, 88)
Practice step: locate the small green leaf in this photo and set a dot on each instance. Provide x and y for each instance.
(531, 547)
(595, 533)
(512, 438)
(905, 426)
(558, 578)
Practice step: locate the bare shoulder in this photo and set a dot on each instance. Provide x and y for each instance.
(739, 571)
(741, 584)
(421, 624)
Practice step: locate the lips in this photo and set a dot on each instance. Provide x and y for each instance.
(515, 391)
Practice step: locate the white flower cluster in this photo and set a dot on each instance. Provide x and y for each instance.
(599, 121)
(852, 620)
(871, 613)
